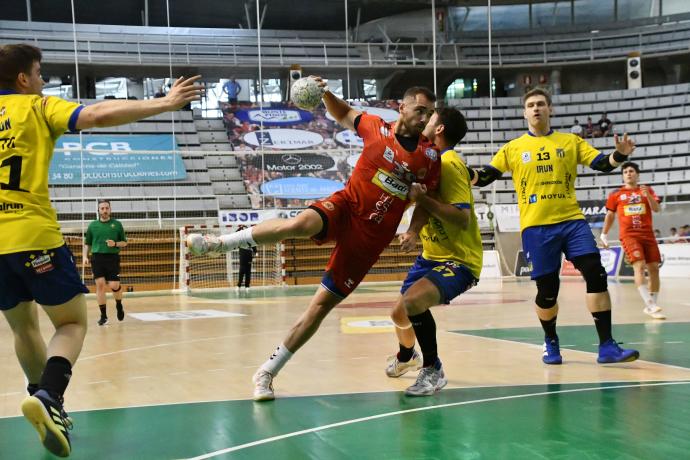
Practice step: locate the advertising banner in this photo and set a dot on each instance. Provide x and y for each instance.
(293, 162)
(675, 260)
(305, 188)
(610, 259)
(283, 139)
(492, 265)
(253, 216)
(81, 161)
(522, 266)
(274, 116)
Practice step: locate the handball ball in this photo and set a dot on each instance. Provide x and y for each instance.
(306, 93)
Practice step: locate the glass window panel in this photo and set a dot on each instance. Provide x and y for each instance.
(675, 6)
(593, 11)
(551, 14)
(635, 9)
(510, 17)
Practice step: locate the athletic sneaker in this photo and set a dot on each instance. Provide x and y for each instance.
(69, 423)
(552, 351)
(610, 352)
(263, 389)
(654, 312)
(45, 413)
(429, 381)
(200, 245)
(396, 368)
(120, 313)
(103, 321)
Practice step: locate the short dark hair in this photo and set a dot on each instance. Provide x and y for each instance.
(537, 92)
(16, 59)
(454, 124)
(630, 164)
(413, 91)
(102, 200)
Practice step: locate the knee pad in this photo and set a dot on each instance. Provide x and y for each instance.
(116, 290)
(593, 272)
(547, 290)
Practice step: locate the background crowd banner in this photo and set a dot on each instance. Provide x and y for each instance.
(491, 268)
(610, 259)
(675, 260)
(98, 159)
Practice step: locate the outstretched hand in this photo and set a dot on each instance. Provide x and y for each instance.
(625, 145)
(184, 91)
(416, 190)
(408, 241)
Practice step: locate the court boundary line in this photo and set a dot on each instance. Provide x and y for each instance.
(417, 409)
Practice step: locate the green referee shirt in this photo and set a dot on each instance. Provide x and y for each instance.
(99, 232)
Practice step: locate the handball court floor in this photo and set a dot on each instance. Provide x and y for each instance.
(181, 388)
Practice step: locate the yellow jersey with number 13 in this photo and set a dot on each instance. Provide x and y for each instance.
(29, 127)
(544, 169)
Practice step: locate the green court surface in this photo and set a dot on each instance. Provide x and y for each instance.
(661, 342)
(579, 421)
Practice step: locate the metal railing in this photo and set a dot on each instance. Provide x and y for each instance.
(105, 47)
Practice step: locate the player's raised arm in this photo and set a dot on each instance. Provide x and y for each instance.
(343, 113)
(114, 112)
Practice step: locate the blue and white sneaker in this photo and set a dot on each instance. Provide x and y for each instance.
(430, 380)
(611, 352)
(552, 351)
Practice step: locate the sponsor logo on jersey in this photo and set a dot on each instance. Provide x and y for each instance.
(431, 154)
(551, 182)
(552, 196)
(526, 157)
(532, 198)
(10, 207)
(390, 184)
(328, 205)
(623, 196)
(544, 168)
(384, 131)
(5, 125)
(388, 155)
(560, 153)
(634, 209)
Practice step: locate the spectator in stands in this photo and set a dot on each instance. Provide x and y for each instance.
(36, 264)
(232, 89)
(589, 128)
(604, 126)
(160, 92)
(103, 240)
(674, 236)
(246, 257)
(577, 129)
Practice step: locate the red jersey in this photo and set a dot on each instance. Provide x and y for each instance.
(634, 212)
(377, 189)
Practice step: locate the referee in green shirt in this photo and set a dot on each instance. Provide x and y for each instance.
(103, 241)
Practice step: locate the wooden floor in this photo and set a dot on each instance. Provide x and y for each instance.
(489, 337)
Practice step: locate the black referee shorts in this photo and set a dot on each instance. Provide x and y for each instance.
(106, 266)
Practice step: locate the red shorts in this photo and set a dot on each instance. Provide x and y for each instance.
(356, 249)
(643, 248)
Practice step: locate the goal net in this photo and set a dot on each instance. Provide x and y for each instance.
(205, 272)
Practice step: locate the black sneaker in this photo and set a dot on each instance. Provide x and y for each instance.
(103, 321)
(45, 414)
(120, 313)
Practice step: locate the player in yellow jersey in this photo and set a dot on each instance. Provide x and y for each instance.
(35, 263)
(451, 260)
(544, 163)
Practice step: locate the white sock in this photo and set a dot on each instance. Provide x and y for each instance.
(243, 238)
(278, 359)
(654, 296)
(646, 297)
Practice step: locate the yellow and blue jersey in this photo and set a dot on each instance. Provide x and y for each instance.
(446, 241)
(29, 127)
(544, 169)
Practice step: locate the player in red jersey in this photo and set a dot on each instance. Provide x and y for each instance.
(362, 218)
(634, 204)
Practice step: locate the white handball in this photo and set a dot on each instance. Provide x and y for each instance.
(306, 93)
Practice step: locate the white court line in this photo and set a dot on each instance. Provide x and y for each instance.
(419, 409)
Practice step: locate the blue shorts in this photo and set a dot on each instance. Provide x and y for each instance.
(544, 244)
(50, 277)
(451, 279)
